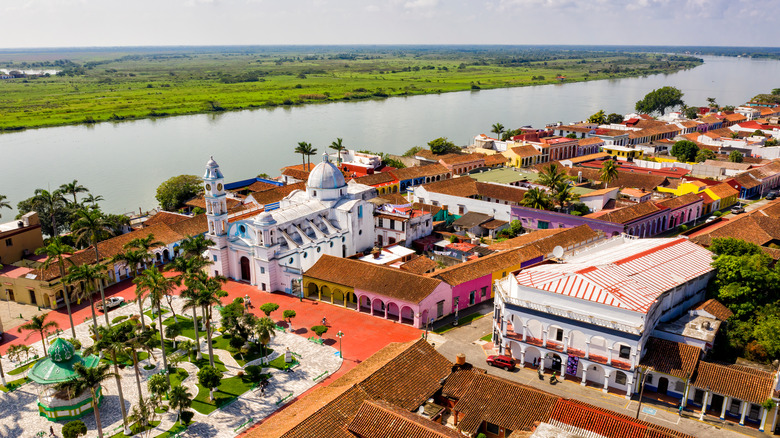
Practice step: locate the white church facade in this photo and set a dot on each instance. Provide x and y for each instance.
(272, 249)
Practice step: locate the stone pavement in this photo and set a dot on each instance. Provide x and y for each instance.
(19, 412)
(465, 339)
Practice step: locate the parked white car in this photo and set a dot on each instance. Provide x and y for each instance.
(111, 303)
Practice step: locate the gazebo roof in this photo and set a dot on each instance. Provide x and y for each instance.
(58, 367)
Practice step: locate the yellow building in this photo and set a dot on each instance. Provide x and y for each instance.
(684, 187)
(20, 238)
(722, 195)
(623, 153)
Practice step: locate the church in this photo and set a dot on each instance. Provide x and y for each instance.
(272, 249)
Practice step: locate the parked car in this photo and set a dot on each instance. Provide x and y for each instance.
(710, 219)
(111, 303)
(771, 195)
(737, 209)
(501, 361)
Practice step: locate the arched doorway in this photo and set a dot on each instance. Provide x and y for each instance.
(338, 297)
(378, 307)
(325, 293)
(351, 300)
(555, 363)
(663, 385)
(245, 274)
(365, 304)
(166, 255)
(313, 291)
(392, 311)
(407, 315)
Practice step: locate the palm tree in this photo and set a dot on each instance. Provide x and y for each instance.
(179, 398)
(536, 198)
(90, 275)
(55, 251)
(306, 150)
(599, 118)
(87, 379)
(188, 268)
(53, 203)
(92, 199)
(91, 226)
(158, 286)
(552, 175)
(608, 172)
(564, 194)
(209, 291)
(498, 129)
(144, 243)
(4, 203)
(112, 341)
(38, 324)
(195, 246)
(265, 329)
(73, 189)
(138, 342)
(338, 147)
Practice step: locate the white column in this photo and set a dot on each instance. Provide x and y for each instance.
(774, 421)
(584, 376)
(704, 405)
(522, 356)
(525, 332)
(503, 327)
(723, 409)
(566, 343)
(606, 382)
(763, 420)
(685, 393)
(587, 349)
(609, 355)
(744, 412)
(629, 386)
(544, 338)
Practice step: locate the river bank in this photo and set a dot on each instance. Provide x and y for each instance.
(134, 87)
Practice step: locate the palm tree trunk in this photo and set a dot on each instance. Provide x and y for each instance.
(141, 311)
(94, 315)
(97, 412)
(100, 282)
(43, 342)
(208, 338)
(162, 345)
(121, 395)
(67, 298)
(2, 374)
(137, 376)
(197, 336)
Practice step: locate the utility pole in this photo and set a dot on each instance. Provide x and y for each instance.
(641, 393)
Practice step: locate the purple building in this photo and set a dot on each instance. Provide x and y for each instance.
(533, 219)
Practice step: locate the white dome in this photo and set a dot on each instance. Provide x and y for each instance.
(265, 218)
(212, 170)
(326, 176)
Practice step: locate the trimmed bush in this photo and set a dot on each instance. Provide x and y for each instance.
(186, 417)
(119, 319)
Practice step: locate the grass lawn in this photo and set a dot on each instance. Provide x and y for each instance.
(487, 338)
(177, 427)
(228, 391)
(153, 316)
(463, 320)
(280, 364)
(178, 376)
(218, 364)
(14, 384)
(186, 326)
(21, 369)
(223, 343)
(135, 429)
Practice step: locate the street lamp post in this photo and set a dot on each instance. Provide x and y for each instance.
(641, 392)
(340, 335)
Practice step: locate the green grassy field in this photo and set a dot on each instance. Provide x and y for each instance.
(96, 86)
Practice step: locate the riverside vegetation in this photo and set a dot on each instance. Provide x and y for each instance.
(96, 85)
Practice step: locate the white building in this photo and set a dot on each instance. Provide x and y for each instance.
(401, 225)
(271, 249)
(591, 315)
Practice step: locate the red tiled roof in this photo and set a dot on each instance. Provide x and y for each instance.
(714, 308)
(673, 358)
(742, 383)
(380, 419)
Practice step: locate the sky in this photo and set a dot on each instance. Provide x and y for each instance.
(79, 23)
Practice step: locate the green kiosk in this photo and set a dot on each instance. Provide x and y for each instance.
(58, 367)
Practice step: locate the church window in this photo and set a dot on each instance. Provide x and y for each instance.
(242, 229)
(360, 211)
(381, 223)
(305, 254)
(291, 260)
(215, 258)
(315, 193)
(331, 244)
(360, 232)
(319, 249)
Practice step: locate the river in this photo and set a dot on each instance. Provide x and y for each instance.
(126, 161)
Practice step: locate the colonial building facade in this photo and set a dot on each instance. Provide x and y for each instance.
(272, 249)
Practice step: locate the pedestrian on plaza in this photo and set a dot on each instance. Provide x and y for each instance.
(51, 430)
(680, 410)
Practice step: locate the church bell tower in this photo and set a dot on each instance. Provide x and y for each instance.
(217, 217)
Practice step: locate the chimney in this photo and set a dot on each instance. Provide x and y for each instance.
(460, 359)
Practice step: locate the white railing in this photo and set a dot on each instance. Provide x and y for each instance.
(569, 314)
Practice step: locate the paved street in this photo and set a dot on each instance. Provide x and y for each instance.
(465, 339)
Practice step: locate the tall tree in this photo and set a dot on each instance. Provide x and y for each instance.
(112, 340)
(735, 157)
(498, 129)
(209, 293)
(175, 191)
(87, 379)
(684, 150)
(179, 399)
(660, 100)
(188, 268)
(265, 330)
(306, 150)
(89, 276)
(138, 340)
(73, 189)
(614, 118)
(52, 203)
(338, 147)
(564, 194)
(4, 203)
(536, 198)
(38, 324)
(609, 171)
(91, 199)
(552, 175)
(599, 118)
(92, 227)
(195, 246)
(55, 252)
(158, 286)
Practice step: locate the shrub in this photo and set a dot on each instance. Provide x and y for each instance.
(717, 214)
(269, 308)
(319, 330)
(76, 343)
(236, 342)
(74, 429)
(683, 227)
(186, 417)
(254, 373)
(119, 319)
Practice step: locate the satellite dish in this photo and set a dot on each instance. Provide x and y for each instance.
(558, 252)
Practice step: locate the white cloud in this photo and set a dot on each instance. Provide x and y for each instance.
(421, 4)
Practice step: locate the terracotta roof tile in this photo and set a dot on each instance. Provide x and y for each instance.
(453, 159)
(389, 282)
(260, 186)
(408, 173)
(500, 191)
(462, 186)
(741, 383)
(679, 201)
(459, 382)
(525, 239)
(165, 217)
(723, 190)
(378, 178)
(495, 400)
(714, 308)
(673, 358)
(607, 423)
(419, 265)
(526, 151)
(487, 265)
(277, 194)
(637, 180)
(495, 160)
(628, 214)
(380, 419)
